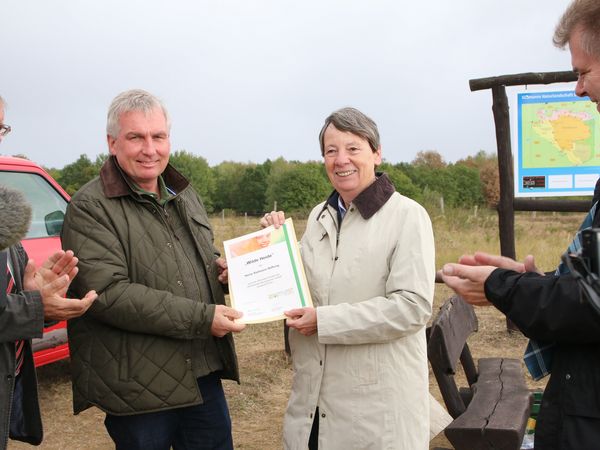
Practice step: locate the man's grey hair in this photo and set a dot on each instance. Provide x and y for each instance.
(2, 103)
(584, 15)
(132, 100)
(354, 121)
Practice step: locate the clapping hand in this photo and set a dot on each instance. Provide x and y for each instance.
(52, 280)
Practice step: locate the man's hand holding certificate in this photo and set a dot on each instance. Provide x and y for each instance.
(266, 276)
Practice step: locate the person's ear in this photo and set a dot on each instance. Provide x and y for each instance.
(378, 158)
(111, 144)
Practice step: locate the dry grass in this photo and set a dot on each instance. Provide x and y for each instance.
(257, 405)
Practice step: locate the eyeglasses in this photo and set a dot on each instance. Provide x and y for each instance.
(4, 129)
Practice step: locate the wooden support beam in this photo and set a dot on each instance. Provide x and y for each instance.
(520, 79)
(506, 214)
(527, 204)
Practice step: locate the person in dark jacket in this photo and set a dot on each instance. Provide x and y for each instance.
(151, 352)
(27, 297)
(551, 308)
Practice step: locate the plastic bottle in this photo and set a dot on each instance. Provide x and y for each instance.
(527, 441)
(529, 434)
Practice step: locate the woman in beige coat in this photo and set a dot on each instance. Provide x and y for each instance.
(360, 356)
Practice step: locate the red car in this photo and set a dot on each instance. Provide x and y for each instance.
(48, 204)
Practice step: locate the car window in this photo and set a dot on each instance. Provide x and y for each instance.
(47, 205)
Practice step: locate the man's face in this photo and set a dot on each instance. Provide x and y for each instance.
(142, 147)
(588, 69)
(349, 161)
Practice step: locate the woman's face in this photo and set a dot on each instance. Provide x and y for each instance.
(349, 161)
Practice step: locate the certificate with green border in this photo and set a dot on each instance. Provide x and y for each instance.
(266, 276)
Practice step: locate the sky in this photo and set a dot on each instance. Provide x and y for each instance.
(248, 80)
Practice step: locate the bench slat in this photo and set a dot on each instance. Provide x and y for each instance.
(446, 346)
(496, 415)
(455, 322)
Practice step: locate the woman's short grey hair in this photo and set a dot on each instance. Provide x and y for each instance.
(132, 100)
(354, 121)
(583, 14)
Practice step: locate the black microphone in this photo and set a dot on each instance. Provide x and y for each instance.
(15, 217)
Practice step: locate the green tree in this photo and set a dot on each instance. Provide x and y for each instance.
(251, 194)
(54, 173)
(228, 175)
(468, 188)
(402, 182)
(198, 172)
(72, 176)
(100, 160)
(298, 187)
(457, 184)
(278, 168)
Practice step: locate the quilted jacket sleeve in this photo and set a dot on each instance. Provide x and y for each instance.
(109, 262)
(22, 313)
(546, 308)
(23, 317)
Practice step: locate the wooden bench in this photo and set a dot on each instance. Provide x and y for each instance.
(492, 412)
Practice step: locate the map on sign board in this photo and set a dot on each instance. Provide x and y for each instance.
(557, 144)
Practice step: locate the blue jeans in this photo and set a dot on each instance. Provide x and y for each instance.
(203, 427)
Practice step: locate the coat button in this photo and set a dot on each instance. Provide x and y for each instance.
(568, 376)
(323, 415)
(169, 245)
(179, 283)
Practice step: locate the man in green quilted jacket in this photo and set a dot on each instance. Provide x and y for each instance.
(152, 350)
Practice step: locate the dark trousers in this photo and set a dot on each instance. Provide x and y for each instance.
(203, 427)
(313, 440)
(17, 421)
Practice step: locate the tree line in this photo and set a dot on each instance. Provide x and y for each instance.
(296, 186)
